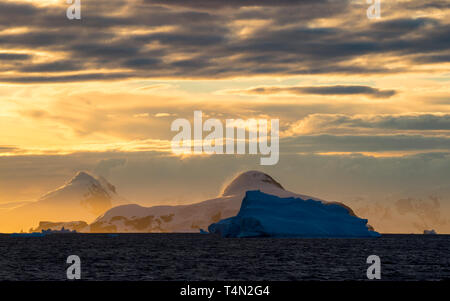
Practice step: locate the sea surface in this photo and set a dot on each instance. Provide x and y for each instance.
(207, 257)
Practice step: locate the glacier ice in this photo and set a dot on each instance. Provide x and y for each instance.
(263, 214)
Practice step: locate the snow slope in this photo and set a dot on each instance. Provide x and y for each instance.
(94, 195)
(263, 214)
(193, 217)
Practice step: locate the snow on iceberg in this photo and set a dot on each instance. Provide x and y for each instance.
(263, 214)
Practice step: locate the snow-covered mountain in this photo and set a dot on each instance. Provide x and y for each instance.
(94, 195)
(83, 197)
(265, 215)
(193, 217)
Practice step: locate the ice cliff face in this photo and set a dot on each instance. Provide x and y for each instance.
(263, 214)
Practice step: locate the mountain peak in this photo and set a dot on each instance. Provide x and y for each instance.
(94, 195)
(82, 176)
(251, 180)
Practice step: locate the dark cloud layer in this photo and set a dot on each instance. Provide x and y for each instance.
(13, 56)
(324, 90)
(205, 35)
(8, 149)
(406, 122)
(66, 78)
(364, 143)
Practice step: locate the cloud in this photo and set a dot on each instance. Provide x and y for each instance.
(65, 78)
(427, 213)
(57, 66)
(320, 90)
(433, 58)
(8, 149)
(405, 215)
(437, 4)
(340, 123)
(364, 143)
(159, 115)
(105, 166)
(219, 39)
(141, 115)
(14, 57)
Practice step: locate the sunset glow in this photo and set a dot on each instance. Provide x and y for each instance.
(360, 102)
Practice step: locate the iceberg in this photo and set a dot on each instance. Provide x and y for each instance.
(265, 215)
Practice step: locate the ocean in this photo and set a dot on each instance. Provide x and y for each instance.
(189, 257)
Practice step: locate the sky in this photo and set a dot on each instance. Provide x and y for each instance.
(363, 104)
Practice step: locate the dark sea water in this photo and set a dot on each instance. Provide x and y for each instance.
(206, 257)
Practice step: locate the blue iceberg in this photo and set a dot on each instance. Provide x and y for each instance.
(265, 215)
